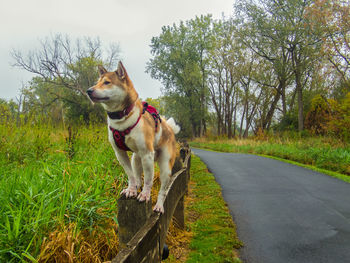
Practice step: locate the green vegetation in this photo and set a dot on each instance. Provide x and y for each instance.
(214, 233)
(321, 152)
(58, 192)
(258, 69)
(54, 180)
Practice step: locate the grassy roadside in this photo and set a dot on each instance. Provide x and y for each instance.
(321, 154)
(214, 233)
(211, 233)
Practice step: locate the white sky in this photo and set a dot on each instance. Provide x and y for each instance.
(131, 23)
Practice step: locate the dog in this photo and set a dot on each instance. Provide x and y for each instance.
(135, 126)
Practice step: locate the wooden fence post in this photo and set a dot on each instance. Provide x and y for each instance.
(179, 214)
(132, 215)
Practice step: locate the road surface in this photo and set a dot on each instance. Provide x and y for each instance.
(284, 213)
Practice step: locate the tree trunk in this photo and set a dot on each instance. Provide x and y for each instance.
(299, 91)
(266, 122)
(242, 119)
(300, 108)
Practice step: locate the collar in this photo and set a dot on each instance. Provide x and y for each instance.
(117, 115)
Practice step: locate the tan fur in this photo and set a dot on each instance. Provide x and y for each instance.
(147, 143)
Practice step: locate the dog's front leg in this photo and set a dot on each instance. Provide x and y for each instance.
(147, 161)
(136, 166)
(124, 160)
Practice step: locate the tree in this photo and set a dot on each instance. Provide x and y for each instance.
(180, 62)
(332, 19)
(223, 83)
(66, 69)
(281, 36)
(5, 112)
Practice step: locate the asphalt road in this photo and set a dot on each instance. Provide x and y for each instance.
(284, 213)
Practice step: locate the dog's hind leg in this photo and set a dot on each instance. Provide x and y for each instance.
(147, 160)
(165, 173)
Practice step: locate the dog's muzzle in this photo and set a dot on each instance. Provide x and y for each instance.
(90, 91)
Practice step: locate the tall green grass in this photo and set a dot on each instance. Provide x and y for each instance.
(52, 177)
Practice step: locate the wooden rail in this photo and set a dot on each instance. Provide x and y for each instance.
(142, 232)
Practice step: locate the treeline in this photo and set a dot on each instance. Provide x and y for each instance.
(272, 65)
(263, 68)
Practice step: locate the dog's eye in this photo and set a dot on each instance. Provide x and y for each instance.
(106, 82)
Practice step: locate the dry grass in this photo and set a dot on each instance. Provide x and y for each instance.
(64, 245)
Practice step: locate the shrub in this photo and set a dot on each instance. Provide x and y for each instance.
(329, 117)
(339, 123)
(319, 115)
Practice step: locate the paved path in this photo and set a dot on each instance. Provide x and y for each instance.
(284, 213)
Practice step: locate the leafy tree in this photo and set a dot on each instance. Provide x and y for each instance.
(180, 62)
(5, 112)
(223, 82)
(332, 18)
(280, 35)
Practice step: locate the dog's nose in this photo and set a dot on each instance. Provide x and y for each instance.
(90, 91)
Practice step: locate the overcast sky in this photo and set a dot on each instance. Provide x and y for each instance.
(131, 23)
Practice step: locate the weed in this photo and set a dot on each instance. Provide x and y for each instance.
(71, 142)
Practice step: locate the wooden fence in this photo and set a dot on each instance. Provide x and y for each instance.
(142, 232)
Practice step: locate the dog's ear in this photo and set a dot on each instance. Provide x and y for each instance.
(101, 70)
(121, 72)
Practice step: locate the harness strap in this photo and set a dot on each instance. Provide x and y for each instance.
(119, 136)
(153, 111)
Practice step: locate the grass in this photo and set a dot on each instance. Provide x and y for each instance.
(214, 233)
(55, 181)
(325, 154)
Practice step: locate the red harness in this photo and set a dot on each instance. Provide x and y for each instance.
(119, 136)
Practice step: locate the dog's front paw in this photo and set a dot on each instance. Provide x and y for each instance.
(159, 208)
(144, 196)
(129, 192)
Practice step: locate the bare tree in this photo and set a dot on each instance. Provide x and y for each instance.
(55, 59)
(68, 67)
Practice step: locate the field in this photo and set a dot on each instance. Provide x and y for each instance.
(325, 154)
(58, 189)
(58, 193)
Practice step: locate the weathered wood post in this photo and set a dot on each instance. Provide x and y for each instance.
(179, 214)
(132, 215)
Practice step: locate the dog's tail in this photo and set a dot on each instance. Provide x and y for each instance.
(176, 128)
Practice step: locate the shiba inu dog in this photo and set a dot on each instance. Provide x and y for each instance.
(134, 126)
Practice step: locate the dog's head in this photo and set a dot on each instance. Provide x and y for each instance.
(113, 89)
